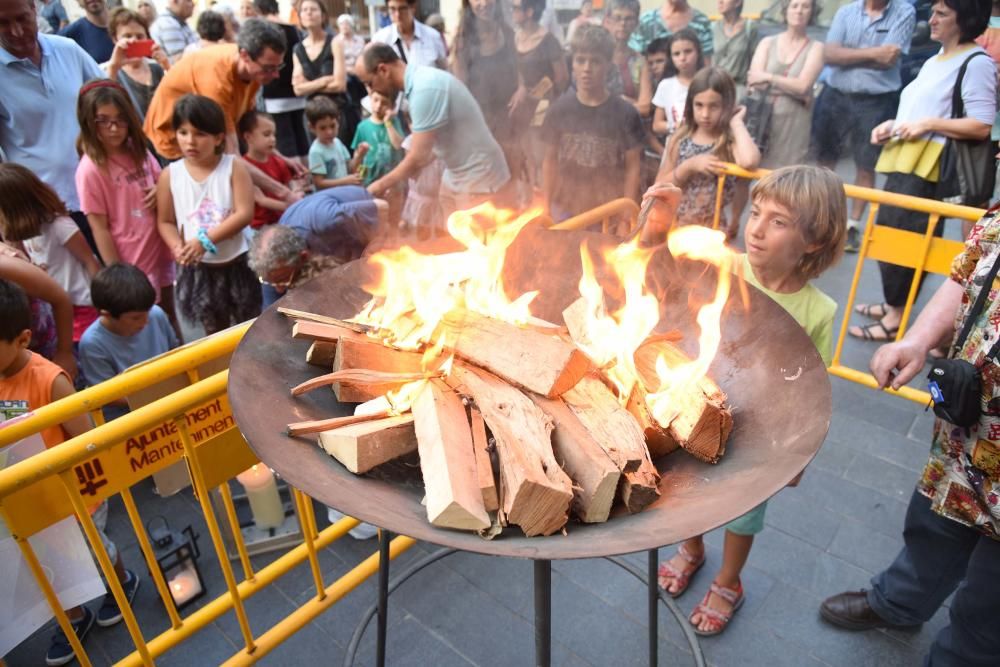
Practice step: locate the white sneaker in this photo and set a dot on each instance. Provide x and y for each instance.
(363, 531)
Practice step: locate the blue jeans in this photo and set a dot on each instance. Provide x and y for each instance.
(939, 556)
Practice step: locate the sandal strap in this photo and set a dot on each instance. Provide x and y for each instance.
(722, 617)
(730, 595)
(686, 555)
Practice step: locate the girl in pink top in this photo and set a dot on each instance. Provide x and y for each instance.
(116, 181)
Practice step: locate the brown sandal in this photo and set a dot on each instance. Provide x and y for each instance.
(668, 574)
(720, 619)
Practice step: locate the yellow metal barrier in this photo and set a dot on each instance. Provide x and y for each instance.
(604, 215)
(922, 252)
(46, 488)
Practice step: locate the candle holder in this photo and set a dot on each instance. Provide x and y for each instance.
(177, 556)
(259, 539)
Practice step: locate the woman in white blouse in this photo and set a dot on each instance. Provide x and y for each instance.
(914, 140)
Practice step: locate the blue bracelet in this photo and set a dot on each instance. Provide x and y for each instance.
(206, 242)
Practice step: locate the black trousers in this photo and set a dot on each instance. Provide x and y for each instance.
(896, 280)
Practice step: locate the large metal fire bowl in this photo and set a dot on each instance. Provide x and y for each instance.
(776, 382)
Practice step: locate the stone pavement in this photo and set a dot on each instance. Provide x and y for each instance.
(842, 524)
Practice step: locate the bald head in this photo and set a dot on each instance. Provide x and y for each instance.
(381, 70)
(19, 28)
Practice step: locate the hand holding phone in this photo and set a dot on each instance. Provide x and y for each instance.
(142, 48)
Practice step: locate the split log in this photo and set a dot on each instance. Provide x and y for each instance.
(540, 362)
(535, 493)
(484, 463)
(447, 460)
(304, 428)
(595, 476)
(640, 487)
(659, 442)
(361, 447)
(703, 421)
(328, 333)
(321, 353)
(368, 354)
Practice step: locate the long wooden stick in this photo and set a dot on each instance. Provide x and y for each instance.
(304, 428)
(360, 376)
(323, 319)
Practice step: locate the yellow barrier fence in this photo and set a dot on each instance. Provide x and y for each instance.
(50, 486)
(922, 252)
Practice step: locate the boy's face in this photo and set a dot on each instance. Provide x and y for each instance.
(774, 239)
(380, 105)
(590, 71)
(262, 138)
(657, 65)
(620, 23)
(127, 324)
(325, 129)
(11, 352)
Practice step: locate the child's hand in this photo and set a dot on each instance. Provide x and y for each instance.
(738, 117)
(149, 201)
(706, 163)
(191, 253)
(350, 179)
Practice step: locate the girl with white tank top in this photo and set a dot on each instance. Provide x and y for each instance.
(204, 202)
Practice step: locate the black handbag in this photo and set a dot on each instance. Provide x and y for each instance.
(968, 167)
(757, 120)
(955, 384)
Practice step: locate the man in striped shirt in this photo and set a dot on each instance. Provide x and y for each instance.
(171, 30)
(862, 52)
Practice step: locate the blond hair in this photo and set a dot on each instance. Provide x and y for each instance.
(816, 196)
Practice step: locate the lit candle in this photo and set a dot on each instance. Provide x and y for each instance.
(184, 586)
(262, 492)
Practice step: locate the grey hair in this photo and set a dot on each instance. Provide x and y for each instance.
(259, 34)
(345, 18)
(282, 247)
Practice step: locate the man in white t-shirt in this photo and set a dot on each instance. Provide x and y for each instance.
(414, 42)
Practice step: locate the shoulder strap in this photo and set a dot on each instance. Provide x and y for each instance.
(977, 308)
(957, 105)
(132, 96)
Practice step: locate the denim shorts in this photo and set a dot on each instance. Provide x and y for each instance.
(847, 119)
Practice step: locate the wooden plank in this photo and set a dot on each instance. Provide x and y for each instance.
(329, 333)
(316, 426)
(595, 476)
(448, 460)
(321, 353)
(484, 462)
(361, 447)
(542, 362)
(371, 355)
(535, 493)
(303, 316)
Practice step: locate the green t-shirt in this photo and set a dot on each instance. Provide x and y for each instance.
(811, 308)
(381, 157)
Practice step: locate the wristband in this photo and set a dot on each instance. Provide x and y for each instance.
(206, 242)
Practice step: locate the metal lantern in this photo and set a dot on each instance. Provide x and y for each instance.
(177, 556)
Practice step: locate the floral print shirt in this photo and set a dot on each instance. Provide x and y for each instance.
(962, 475)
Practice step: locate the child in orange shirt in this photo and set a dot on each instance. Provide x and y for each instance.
(29, 381)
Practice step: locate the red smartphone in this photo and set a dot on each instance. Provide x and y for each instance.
(142, 48)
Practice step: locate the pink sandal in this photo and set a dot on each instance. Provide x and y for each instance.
(667, 573)
(720, 619)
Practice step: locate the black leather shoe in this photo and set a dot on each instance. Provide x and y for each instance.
(851, 611)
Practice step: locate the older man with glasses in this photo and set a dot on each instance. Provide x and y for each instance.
(231, 75)
(416, 43)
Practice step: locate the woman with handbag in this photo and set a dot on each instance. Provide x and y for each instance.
(783, 71)
(915, 141)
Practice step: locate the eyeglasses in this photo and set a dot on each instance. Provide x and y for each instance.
(280, 284)
(622, 19)
(399, 9)
(109, 123)
(271, 69)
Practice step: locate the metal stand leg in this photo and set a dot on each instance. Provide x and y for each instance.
(653, 599)
(543, 613)
(384, 537)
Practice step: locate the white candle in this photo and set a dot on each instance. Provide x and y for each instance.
(262, 492)
(184, 586)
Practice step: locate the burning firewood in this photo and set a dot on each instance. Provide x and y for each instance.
(361, 354)
(366, 445)
(703, 421)
(535, 493)
(448, 460)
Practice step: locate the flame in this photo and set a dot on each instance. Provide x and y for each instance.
(706, 245)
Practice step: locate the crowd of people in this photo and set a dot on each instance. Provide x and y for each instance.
(156, 171)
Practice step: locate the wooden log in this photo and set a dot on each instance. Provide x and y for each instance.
(448, 460)
(316, 426)
(369, 354)
(535, 493)
(321, 353)
(595, 476)
(328, 333)
(703, 422)
(614, 429)
(640, 487)
(540, 362)
(659, 442)
(361, 447)
(484, 463)
(360, 377)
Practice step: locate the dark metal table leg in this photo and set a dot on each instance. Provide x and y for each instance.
(384, 538)
(653, 599)
(543, 613)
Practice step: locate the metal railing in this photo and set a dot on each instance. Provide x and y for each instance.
(46, 488)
